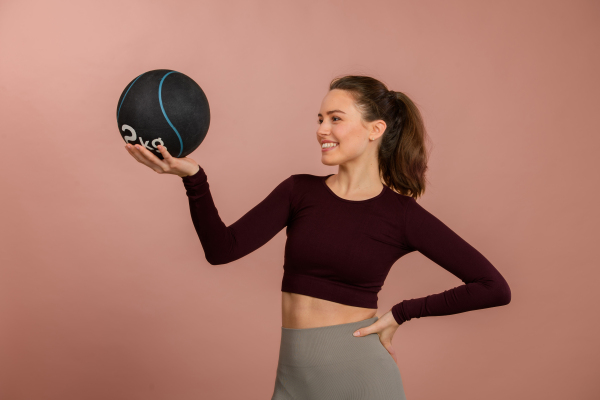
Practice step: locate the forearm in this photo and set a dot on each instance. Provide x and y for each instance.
(214, 235)
(223, 244)
(471, 296)
(483, 287)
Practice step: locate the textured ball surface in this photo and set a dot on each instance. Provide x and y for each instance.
(164, 107)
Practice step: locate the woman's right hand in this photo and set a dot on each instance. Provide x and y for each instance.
(170, 165)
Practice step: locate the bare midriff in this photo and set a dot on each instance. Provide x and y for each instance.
(301, 312)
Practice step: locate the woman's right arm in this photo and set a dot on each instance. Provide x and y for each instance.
(223, 244)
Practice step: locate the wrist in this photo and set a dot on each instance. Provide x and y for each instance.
(397, 314)
(192, 173)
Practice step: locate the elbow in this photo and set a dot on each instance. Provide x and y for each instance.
(215, 259)
(502, 293)
(504, 296)
(497, 292)
(217, 254)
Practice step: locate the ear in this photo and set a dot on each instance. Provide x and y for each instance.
(377, 128)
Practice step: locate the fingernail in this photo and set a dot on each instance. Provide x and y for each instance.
(357, 333)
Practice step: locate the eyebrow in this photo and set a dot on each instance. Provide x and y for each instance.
(331, 112)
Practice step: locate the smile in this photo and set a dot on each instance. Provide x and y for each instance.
(329, 146)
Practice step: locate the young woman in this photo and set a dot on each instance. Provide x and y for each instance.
(344, 233)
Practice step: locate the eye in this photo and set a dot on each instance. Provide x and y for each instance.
(332, 118)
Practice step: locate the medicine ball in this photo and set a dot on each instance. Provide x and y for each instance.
(164, 107)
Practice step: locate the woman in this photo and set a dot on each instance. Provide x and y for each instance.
(344, 233)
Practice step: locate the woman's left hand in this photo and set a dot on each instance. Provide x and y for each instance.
(385, 327)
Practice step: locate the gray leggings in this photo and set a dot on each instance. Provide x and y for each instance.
(328, 363)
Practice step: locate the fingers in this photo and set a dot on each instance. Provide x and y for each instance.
(385, 333)
(390, 350)
(165, 153)
(385, 343)
(134, 153)
(152, 158)
(365, 331)
(145, 157)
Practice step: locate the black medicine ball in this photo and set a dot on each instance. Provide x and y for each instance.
(164, 107)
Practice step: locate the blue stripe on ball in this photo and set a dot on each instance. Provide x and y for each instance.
(163, 110)
(119, 110)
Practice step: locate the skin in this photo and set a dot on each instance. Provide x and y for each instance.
(358, 178)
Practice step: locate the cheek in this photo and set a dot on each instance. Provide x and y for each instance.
(351, 148)
(352, 143)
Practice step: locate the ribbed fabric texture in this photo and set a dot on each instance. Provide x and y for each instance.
(342, 250)
(330, 363)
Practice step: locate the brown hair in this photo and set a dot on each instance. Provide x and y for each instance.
(402, 154)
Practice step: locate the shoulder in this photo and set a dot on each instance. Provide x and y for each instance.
(297, 183)
(403, 199)
(408, 208)
(307, 177)
(306, 180)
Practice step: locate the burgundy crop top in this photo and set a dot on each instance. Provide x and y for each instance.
(342, 250)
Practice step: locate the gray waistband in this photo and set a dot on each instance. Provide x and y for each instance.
(329, 344)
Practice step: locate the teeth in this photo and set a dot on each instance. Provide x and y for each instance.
(324, 145)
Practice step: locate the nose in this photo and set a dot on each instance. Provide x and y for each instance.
(323, 131)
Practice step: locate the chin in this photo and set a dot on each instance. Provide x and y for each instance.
(325, 162)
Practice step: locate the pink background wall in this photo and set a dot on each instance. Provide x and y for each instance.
(104, 289)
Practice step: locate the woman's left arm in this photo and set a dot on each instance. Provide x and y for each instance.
(483, 286)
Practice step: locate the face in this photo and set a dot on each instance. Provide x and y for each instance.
(341, 122)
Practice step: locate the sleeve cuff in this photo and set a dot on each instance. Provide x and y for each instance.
(196, 184)
(398, 313)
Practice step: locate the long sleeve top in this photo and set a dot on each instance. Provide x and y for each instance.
(342, 250)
